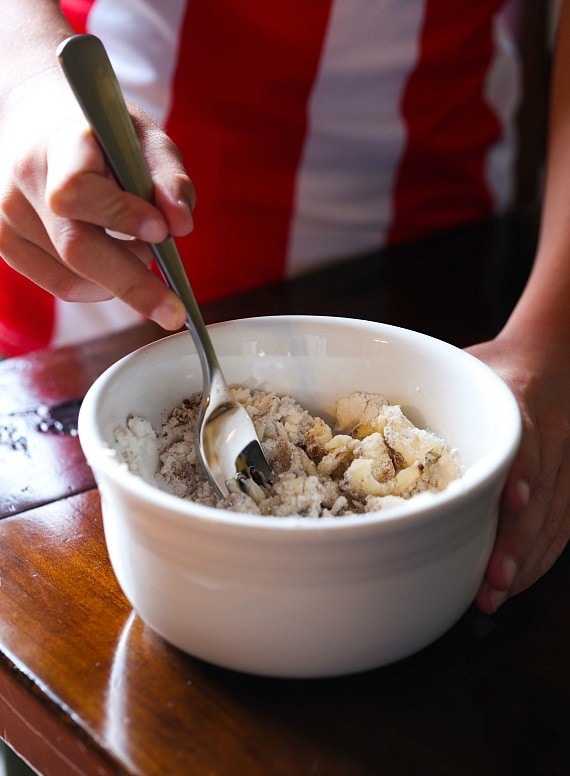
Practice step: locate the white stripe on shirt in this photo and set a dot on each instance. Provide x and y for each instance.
(503, 92)
(356, 135)
(142, 40)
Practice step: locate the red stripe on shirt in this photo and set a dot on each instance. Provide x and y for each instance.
(241, 105)
(77, 12)
(27, 314)
(449, 125)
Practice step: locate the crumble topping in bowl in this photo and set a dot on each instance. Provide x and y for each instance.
(371, 458)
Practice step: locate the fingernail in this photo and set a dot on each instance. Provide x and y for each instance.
(509, 569)
(188, 208)
(183, 202)
(119, 235)
(168, 316)
(522, 489)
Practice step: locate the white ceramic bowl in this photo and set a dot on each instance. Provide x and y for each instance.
(305, 597)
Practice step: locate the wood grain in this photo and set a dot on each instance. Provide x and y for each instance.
(87, 688)
(38, 467)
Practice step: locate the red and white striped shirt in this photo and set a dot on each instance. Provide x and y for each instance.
(313, 131)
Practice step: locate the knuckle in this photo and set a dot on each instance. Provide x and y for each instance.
(5, 232)
(62, 198)
(70, 287)
(24, 167)
(119, 211)
(69, 243)
(7, 241)
(9, 237)
(132, 291)
(142, 291)
(10, 207)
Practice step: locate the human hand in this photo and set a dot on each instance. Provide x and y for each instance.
(57, 200)
(534, 517)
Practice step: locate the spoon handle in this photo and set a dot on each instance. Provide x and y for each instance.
(90, 74)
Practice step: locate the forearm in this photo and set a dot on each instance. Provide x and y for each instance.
(543, 312)
(30, 31)
(532, 355)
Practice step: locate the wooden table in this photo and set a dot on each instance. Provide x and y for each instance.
(86, 688)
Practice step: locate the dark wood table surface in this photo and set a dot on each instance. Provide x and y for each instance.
(86, 688)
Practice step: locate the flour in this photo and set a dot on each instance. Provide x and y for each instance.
(371, 457)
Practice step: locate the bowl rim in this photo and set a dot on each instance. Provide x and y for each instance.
(101, 457)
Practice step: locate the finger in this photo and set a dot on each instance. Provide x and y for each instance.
(115, 210)
(174, 197)
(174, 194)
(550, 500)
(79, 188)
(533, 528)
(26, 247)
(150, 296)
(89, 253)
(39, 266)
(80, 262)
(520, 519)
(503, 566)
(553, 536)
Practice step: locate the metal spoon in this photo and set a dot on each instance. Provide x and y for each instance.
(226, 440)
